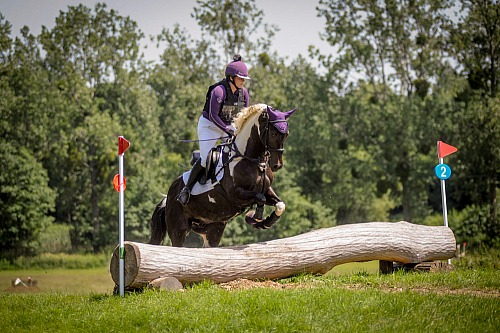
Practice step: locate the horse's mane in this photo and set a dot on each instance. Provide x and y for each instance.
(245, 114)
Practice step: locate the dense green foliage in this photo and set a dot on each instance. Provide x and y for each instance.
(362, 145)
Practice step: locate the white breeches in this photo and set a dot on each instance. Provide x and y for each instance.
(209, 135)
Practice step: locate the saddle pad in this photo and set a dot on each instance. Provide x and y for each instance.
(208, 186)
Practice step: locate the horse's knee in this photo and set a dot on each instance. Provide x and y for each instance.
(260, 198)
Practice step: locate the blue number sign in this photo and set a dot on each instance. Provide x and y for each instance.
(442, 171)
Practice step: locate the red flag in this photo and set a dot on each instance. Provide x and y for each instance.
(123, 145)
(445, 149)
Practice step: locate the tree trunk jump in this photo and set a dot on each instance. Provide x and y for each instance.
(314, 252)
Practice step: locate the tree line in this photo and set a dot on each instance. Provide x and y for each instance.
(362, 145)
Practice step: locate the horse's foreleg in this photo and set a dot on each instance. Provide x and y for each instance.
(213, 234)
(255, 219)
(273, 200)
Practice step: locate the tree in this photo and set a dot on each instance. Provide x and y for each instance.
(235, 24)
(474, 42)
(397, 49)
(180, 82)
(93, 58)
(25, 201)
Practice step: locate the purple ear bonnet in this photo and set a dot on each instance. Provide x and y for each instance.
(278, 119)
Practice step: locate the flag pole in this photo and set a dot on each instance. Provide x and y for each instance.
(123, 145)
(121, 227)
(444, 172)
(443, 198)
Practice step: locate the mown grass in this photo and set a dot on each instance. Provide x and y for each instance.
(208, 308)
(64, 281)
(351, 298)
(457, 301)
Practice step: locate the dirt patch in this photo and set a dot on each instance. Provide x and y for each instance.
(448, 291)
(430, 290)
(245, 284)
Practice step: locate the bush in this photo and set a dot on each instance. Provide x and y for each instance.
(59, 260)
(55, 239)
(26, 198)
(470, 226)
(483, 257)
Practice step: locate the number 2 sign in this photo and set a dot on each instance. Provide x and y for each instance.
(442, 171)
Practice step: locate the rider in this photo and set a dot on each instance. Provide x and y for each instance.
(224, 100)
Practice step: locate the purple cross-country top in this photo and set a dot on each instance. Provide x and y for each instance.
(218, 102)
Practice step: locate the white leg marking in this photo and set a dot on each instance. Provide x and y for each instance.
(205, 241)
(280, 208)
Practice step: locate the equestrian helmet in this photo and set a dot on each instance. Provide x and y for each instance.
(237, 68)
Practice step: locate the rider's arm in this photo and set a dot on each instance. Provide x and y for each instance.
(215, 106)
(247, 98)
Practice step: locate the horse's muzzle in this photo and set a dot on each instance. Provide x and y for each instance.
(276, 167)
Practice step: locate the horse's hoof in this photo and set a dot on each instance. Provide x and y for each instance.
(249, 218)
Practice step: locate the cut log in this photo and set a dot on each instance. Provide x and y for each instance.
(314, 252)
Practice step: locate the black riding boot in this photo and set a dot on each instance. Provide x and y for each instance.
(196, 172)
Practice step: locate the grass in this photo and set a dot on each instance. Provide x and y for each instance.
(64, 281)
(349, 299)
(327, 306)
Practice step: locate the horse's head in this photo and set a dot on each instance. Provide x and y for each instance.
(261, 133)
(273, 133)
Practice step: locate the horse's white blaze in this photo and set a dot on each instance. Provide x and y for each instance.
(210, 199)
(279, 208)
(243, 133)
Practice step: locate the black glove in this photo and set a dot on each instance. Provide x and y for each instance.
(230, 132)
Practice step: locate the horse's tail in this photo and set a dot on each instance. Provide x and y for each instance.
(158, 223)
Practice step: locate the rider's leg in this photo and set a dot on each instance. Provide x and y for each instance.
(208, 134)
(196, 172)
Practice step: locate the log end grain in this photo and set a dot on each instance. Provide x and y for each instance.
(132, 262)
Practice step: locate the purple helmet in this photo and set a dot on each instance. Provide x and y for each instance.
(237, 68)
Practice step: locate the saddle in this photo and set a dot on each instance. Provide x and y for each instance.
(211, 163)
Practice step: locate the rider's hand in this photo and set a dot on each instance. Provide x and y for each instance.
(230, 132)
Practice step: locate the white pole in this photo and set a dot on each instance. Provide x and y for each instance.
(121, 227)
(443, 200)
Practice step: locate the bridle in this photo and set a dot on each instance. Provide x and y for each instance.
(262, 160)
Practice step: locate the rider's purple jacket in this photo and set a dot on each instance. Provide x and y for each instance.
(217, 97)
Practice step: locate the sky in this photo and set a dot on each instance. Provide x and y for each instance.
(299, 24)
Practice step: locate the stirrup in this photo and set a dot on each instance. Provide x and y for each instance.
(183, 196)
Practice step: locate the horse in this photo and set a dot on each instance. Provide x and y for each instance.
(242, 178)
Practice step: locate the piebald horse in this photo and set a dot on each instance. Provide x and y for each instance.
(241, 179)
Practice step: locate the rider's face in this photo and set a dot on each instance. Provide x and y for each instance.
(239, 82)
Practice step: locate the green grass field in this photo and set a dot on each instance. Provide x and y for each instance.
(98, 280)
(351, 298)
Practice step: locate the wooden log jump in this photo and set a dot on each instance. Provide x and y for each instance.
(314, 252)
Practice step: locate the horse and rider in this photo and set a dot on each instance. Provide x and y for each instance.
(242, 173)
(224, 100)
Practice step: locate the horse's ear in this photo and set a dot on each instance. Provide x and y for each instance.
(289, 113)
